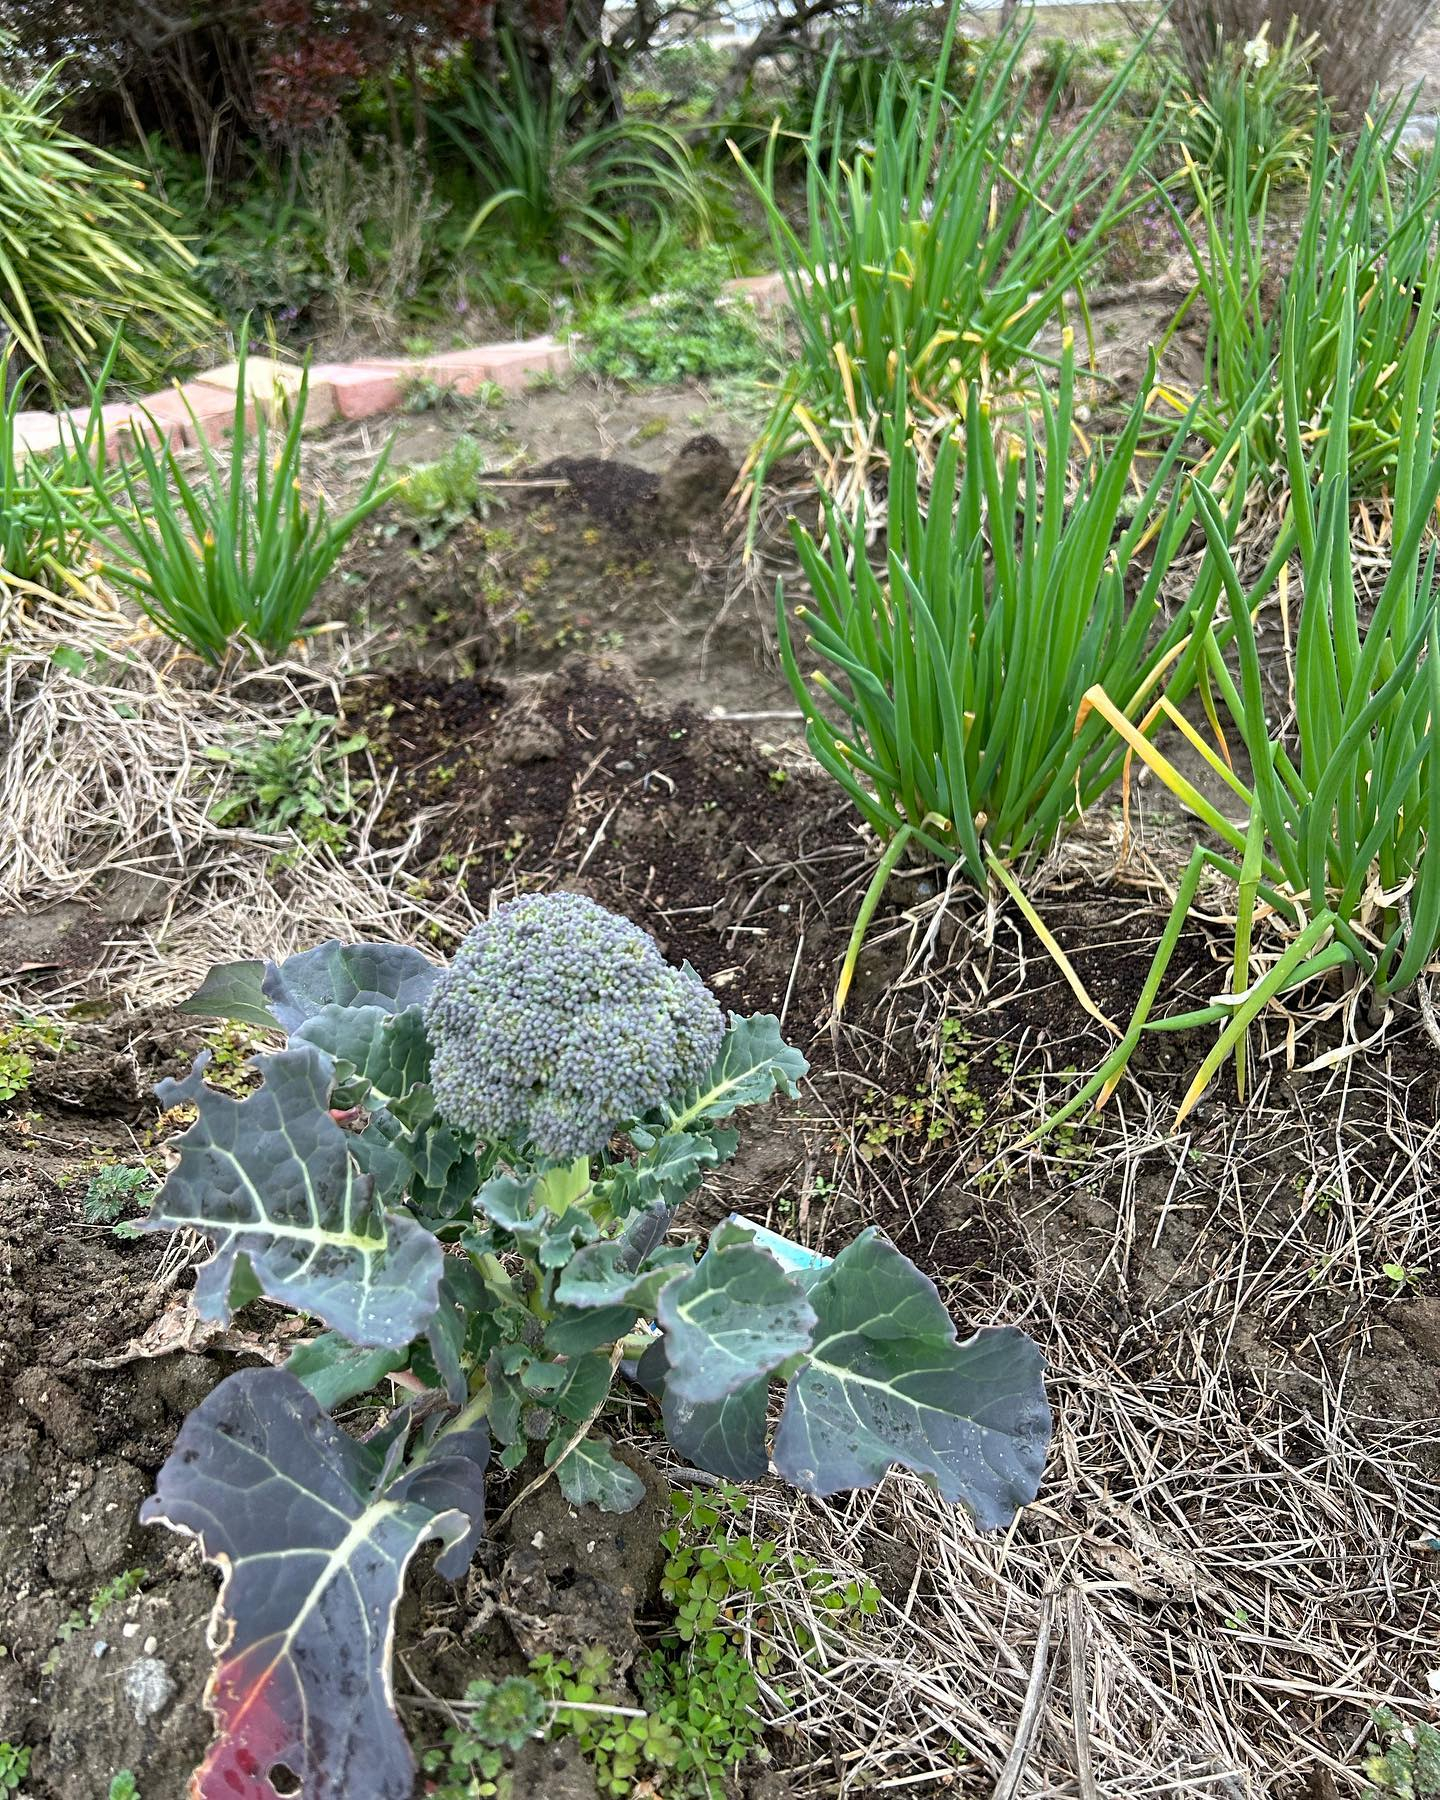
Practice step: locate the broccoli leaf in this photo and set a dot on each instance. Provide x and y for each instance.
(382, 1151)
(592, 1475)
(314, 1550)
(421, 1159)
(347, 975)
(514, 1204)
(270, 1181)
(645, 1233)
(754, 1062)
(335, 1371)
(727, 1436)
(460, 1332)
(886, 1382)
(232, 991)
(627, 1270)
(669, 1167)
(575, 1330)
(575, 1389)
(385, 1050)
(735, 1316)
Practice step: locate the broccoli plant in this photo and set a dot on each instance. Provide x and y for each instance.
(468, 1177)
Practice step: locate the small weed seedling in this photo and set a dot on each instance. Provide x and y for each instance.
(471, 1172)
(16, 1068)
(716, 1577)
(230, 1049)
(424, 394)
(116, 1189)
(122, 1786)
(20, 1041)
(1402, 1275)
(112, 1593)
(14, 1767)
(441, 495)
(1405, 1764)
(499, 1716)
(298, 782)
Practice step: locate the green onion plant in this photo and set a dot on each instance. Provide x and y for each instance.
(950, 243)
(1363, 264)
(1336, 846)
(38, 540)
(946, 684)
(229, 553)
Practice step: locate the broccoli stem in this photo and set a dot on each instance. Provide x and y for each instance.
(562, 1188)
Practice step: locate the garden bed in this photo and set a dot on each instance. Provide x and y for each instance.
(1228, 1565)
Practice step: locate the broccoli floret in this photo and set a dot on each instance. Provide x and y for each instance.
(558, 1021)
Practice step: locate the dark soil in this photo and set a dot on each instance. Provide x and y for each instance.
(722, 852)
(79, 1447)
(580, 554)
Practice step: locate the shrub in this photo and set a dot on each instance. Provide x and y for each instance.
(948, 685)
(85, 250)
(1364, 259)
(232, 555)
(1343, 805)
(377, 214)
(1357, 47)
(689, 329)
(950, 243)
(363, 1182)
(258, 247)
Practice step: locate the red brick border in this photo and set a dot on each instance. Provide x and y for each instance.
(357, 390)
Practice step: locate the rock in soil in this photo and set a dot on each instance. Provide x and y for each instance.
(122, 1696)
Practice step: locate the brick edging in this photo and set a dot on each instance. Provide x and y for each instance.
(205, 406)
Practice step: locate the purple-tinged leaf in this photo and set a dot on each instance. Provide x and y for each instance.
(314, 1553)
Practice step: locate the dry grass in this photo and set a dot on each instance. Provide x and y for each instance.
(1226, 1569)
(104, 780)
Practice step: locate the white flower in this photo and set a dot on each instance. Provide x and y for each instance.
(1257, 51)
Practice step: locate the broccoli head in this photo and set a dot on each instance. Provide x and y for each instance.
(558, 1021)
